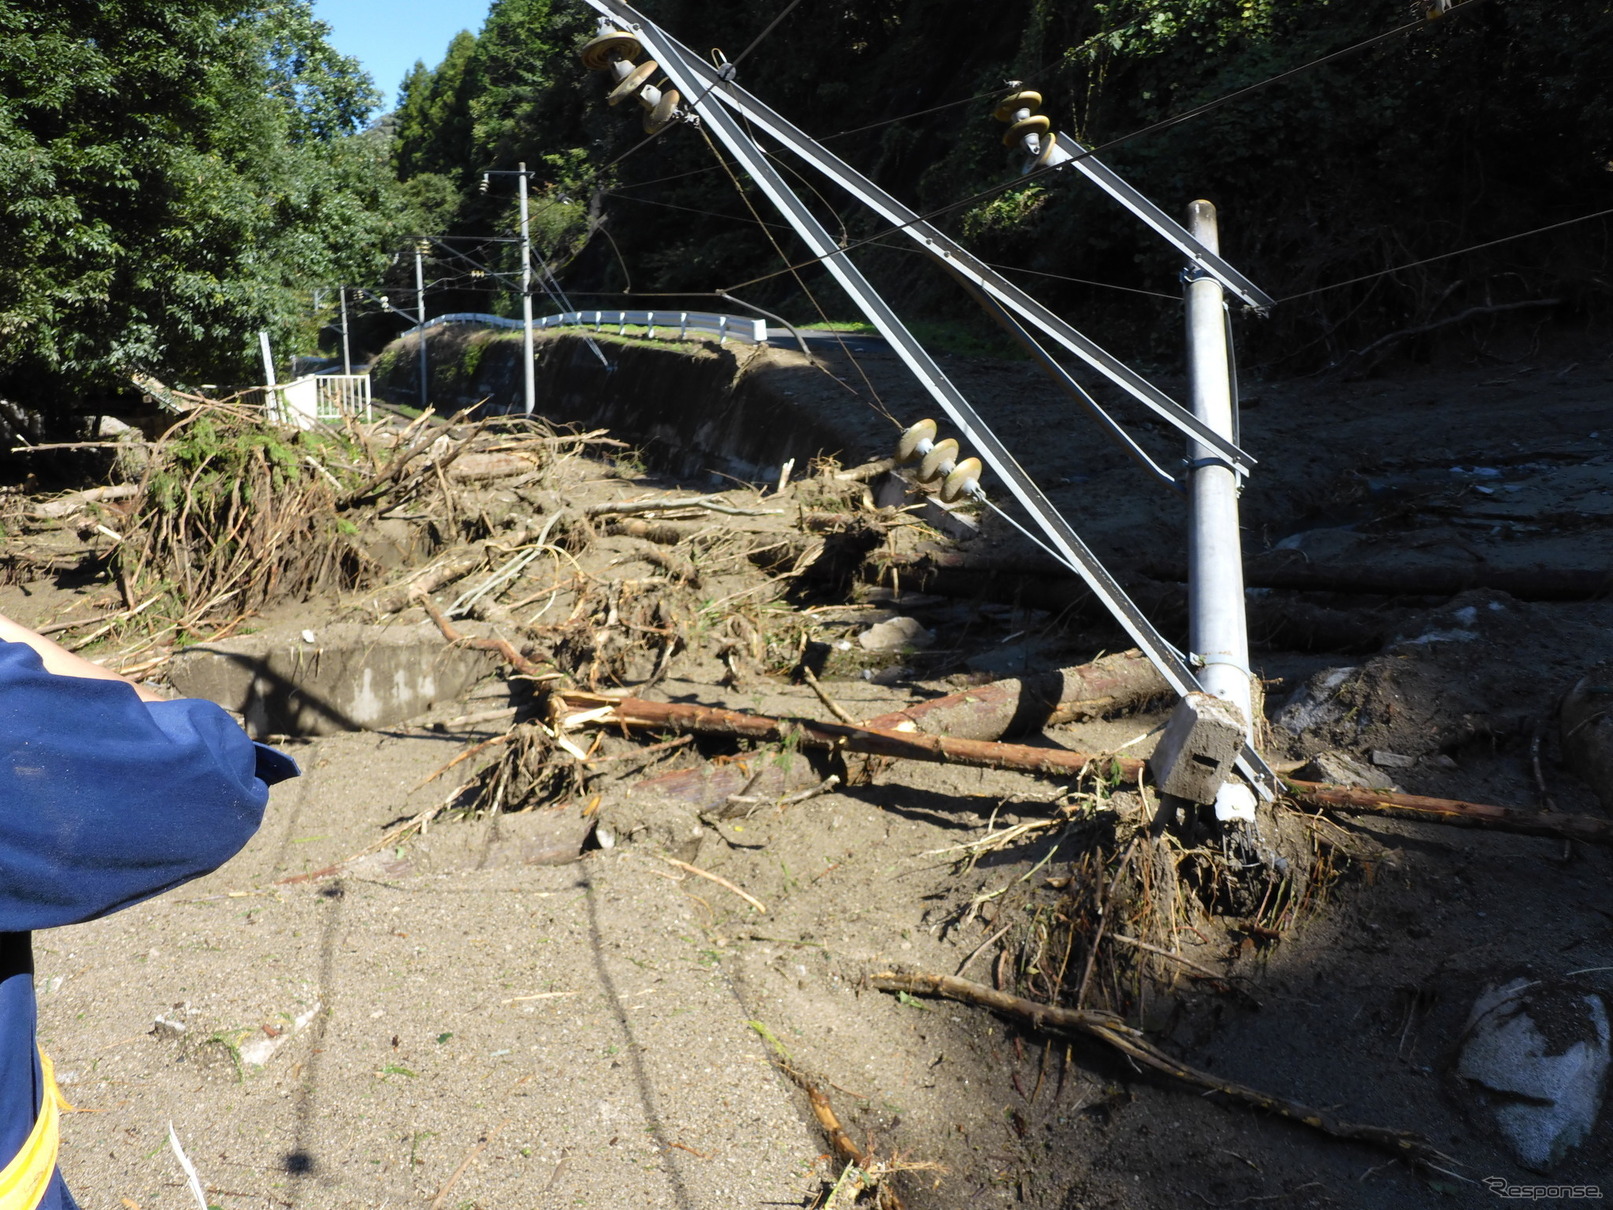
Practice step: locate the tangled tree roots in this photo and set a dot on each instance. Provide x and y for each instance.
(230, 515)
(1112, 939)
(531, 770)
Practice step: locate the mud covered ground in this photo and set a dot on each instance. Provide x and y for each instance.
(438, 1022)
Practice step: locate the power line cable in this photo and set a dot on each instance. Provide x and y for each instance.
(1036, 174)
(733, 218)
(1428, 260)
(875, 402)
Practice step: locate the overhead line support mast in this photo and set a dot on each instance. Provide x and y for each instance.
(714, 99)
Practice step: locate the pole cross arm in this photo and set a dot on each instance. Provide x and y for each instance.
(685, 70)
(1111, 182)
(706, 82)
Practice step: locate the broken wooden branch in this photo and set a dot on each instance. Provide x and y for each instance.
(447, 571)
(66, 506)
(1111, 1030)
(719, 880)
(842, 1144)
(511, 656)
(1394, 338)
(710, 503)
(865, 472)
(1361, 801)
(633, 712)
(829, 704)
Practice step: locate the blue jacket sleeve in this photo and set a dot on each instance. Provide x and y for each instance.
(106, 799)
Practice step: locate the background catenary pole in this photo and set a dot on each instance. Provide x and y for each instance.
(526, 297)
(420, 312)
(1218, 633)
(347, 352)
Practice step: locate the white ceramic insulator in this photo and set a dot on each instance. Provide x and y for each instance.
(649, 96)
(621, 69)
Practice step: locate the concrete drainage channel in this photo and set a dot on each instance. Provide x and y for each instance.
(342, 677)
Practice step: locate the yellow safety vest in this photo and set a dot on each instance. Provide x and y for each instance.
(23, 1181)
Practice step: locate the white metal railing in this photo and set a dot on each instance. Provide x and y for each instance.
(314, 399)
(682, 323)
(342, 395)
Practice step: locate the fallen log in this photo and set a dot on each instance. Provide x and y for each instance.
(1016, 706)
(664, 532)
(1024, 705)
(66, 506)
(1112, 1031)
(446, 572)
(631, 712)
(1355, 800)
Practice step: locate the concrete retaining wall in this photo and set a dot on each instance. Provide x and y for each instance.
(693, 407)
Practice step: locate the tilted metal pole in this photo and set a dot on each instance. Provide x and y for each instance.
(680, 69)
(526, 299)
(1218, 630)
(687, 71)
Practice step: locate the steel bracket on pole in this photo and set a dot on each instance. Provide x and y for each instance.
(1205, 262)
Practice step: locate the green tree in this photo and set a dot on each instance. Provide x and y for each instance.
(433, 118)
(172, 186)
(327, 93)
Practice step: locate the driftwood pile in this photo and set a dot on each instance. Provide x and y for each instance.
(598, 589)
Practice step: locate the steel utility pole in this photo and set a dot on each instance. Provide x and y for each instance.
(526, 298)
(420, 311)
(1218, 631)
(347, 354)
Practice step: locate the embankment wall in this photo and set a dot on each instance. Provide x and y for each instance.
(691, 407)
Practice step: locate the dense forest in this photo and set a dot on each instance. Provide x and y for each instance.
(181, 176)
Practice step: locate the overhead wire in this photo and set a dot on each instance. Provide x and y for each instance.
(1163, 124)
(1088, 153)
(733, 218)
(1428, 260)
(875, 402)
(598, 174)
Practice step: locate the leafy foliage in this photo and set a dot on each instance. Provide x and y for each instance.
(177, 176)
(327, 93)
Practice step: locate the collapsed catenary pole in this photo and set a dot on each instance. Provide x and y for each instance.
(1218, 632)
(528, 382)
